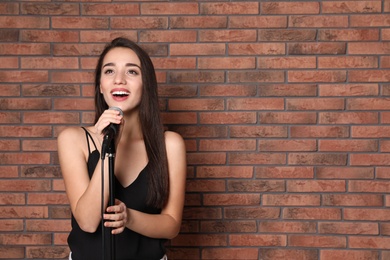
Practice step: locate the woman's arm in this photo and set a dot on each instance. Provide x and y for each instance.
(84, 194)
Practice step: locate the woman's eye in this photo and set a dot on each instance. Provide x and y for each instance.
(133, 72)
(108, 71)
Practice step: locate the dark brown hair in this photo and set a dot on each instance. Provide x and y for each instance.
(149, 114)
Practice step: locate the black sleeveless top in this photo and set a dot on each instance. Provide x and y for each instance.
(129, 244)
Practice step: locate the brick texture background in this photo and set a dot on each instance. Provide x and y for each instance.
(284, 106)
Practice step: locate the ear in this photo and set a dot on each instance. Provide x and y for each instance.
(100, 88)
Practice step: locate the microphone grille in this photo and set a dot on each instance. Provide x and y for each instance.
(117, 109)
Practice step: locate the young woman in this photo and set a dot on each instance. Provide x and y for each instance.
(150, 163)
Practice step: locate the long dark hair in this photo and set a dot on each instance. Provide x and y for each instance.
(151, 125)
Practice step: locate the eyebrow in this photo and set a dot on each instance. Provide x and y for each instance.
(127, 65)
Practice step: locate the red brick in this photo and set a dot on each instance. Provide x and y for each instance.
(370, 159)
(319, 131)
(230, 253)
(284, 172)
(290, 200)
(368, 47)
(256, 48)
(50, 90)
(181, 22)
(348, 89)
(287, 145)
(345, 173)
(25, 131)
(315, 104)
(317, 76)
(258, 131)
(229, 8)
(23, 212)
(167, 36)
(316, 186)
(257, 22)
(291, 254)
(255, 185)
(366, 200)
(287, 117)
(179, 118)
(231, 199)
(36, 22)
(226, 63)
(110, 9)
(370, 20)
(227, 145)
(290, 8)
(205, 185)
(196, 77)
(383, 173)
(173, 63)
(196, 104)
(254, 104)
(224, 172)
(287, 227)
(75, 104)
(47, 252)
(287, 63)
(369, 76)
(49, 9)
(197, 49)
(316, 48)
(198, 213)
(348, 35)
(258, 240)
(312, 21)
(25, 158)
(9, 63)
(49, 63)
(287, 35)
(369, 242)
(257, 158)
(11, 252)
(229, 226)
(351, 7)
(76, 22)
(25, 239)
(368, 186)
(9, 8)
(48, 225)
(349, 254)
(311, 213)
(12, 198)
(348, 62)
(27, 76)
(200, 240)
(169, 8)
(348, 145)
(366, 214)
(11, 225)
(227, 90)
(369, 104)
(348, 228)
(317, 241)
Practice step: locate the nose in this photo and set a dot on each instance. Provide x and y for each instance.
(120, 79)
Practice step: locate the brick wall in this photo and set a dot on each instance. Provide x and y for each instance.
(284, 106)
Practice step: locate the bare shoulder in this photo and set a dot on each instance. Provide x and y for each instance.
(174, 140)
(70, 134)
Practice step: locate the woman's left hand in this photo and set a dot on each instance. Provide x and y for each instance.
(116, 217)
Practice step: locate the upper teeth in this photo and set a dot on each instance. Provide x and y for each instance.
(120, 93)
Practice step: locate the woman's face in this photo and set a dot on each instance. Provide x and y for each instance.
(121, 79)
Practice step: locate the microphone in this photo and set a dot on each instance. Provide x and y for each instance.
(109, 135)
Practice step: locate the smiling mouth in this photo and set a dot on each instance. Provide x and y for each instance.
(120, 93)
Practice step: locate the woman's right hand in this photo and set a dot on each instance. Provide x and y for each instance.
(109, 116)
